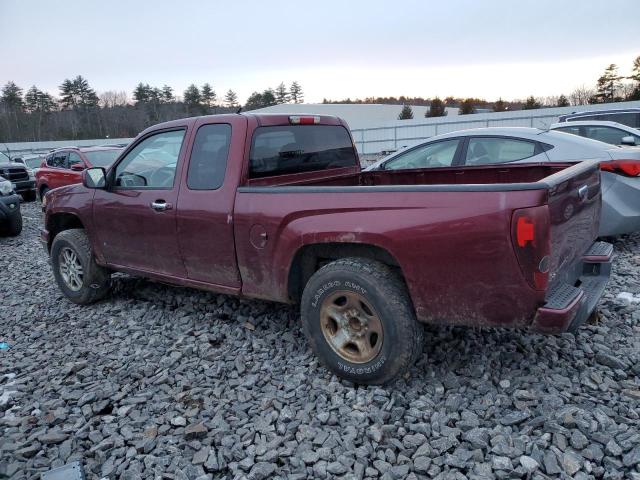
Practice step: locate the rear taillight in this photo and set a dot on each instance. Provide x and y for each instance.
(304, 119)
(628, 168)
(530, 231)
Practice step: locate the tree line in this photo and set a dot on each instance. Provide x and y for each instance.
(79, 112)
(610, 87)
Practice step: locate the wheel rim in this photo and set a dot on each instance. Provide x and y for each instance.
(351, 326)
(70, 269)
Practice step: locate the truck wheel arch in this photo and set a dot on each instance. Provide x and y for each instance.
(59, 222)
(311, 257)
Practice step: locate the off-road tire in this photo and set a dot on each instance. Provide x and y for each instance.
(387, 293)
(29, 196)
(13, 227)
(96, 280)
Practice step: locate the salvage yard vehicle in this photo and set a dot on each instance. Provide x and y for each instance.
(608, 132)
(64, 166)
(10, 216)
(276, 207)
(23, 181)
(506, 145)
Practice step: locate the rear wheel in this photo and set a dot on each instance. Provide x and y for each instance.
(359, 320)
(13, 227)
(76, 272)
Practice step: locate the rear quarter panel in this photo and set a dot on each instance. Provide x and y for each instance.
(454, 248)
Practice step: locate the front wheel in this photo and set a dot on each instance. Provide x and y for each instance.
(76, 272)
(359, 320)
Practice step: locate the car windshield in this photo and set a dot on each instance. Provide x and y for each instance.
(33, 162)
(4, 158)
(102, 158)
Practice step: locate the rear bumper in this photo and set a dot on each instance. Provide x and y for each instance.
(9, 207)
(567, 306)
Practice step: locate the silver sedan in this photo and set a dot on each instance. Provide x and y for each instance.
(485, 146)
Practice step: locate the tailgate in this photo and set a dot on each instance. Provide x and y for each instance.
(574, 199)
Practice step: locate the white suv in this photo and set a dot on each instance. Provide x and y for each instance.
(608, 132)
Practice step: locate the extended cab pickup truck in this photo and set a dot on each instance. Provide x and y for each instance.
(276, 207)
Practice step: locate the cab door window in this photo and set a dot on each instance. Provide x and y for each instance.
(152, 163)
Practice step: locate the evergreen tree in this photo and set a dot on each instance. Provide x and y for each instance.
(269, 97)
(635, 77)
(142, 93)
(254, 101)
(192, 97)
(282, 96)
(562, 101)
(85, 95)
(231, 99)
(11, 97)
(467, 106)
(436, 109)
(500, 105)
(208, 96)
(608, 84)
(295, 91)
(406, 113)
(531, 104)
(67, 97)
(167, 94)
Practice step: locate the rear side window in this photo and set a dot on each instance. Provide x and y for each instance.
(485, 151)
(209, 157)
(610, 135)
(299, 148)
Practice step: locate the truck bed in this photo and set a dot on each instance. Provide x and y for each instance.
(516, 176)
(450, 231)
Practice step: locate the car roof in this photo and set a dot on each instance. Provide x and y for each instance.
(596, 123)
(88, 149)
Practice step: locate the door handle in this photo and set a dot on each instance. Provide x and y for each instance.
(160, 205)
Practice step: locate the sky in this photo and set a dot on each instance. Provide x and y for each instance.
(334, 49)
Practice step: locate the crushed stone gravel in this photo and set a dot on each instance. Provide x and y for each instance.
(162, 382)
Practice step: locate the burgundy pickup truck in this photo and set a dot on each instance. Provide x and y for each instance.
(276, 207)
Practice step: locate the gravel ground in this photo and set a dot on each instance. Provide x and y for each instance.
(161, 382)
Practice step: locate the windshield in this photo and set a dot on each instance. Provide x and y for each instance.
(4, 158)
(32, 162)
(103, 158)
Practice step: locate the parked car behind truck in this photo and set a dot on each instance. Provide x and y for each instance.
(64, 166)
(507, 145)
(21, 178)
(276, 207)
(10, 216)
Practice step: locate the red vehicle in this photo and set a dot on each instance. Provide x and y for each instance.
(276, 207)
(65, 165)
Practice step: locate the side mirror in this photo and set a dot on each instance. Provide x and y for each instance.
(629, 140)
(95, 177)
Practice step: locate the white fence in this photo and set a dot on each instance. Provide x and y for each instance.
(26, 148)
(401, 133)
(393, 135)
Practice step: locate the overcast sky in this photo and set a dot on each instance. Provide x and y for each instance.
(334, 49)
